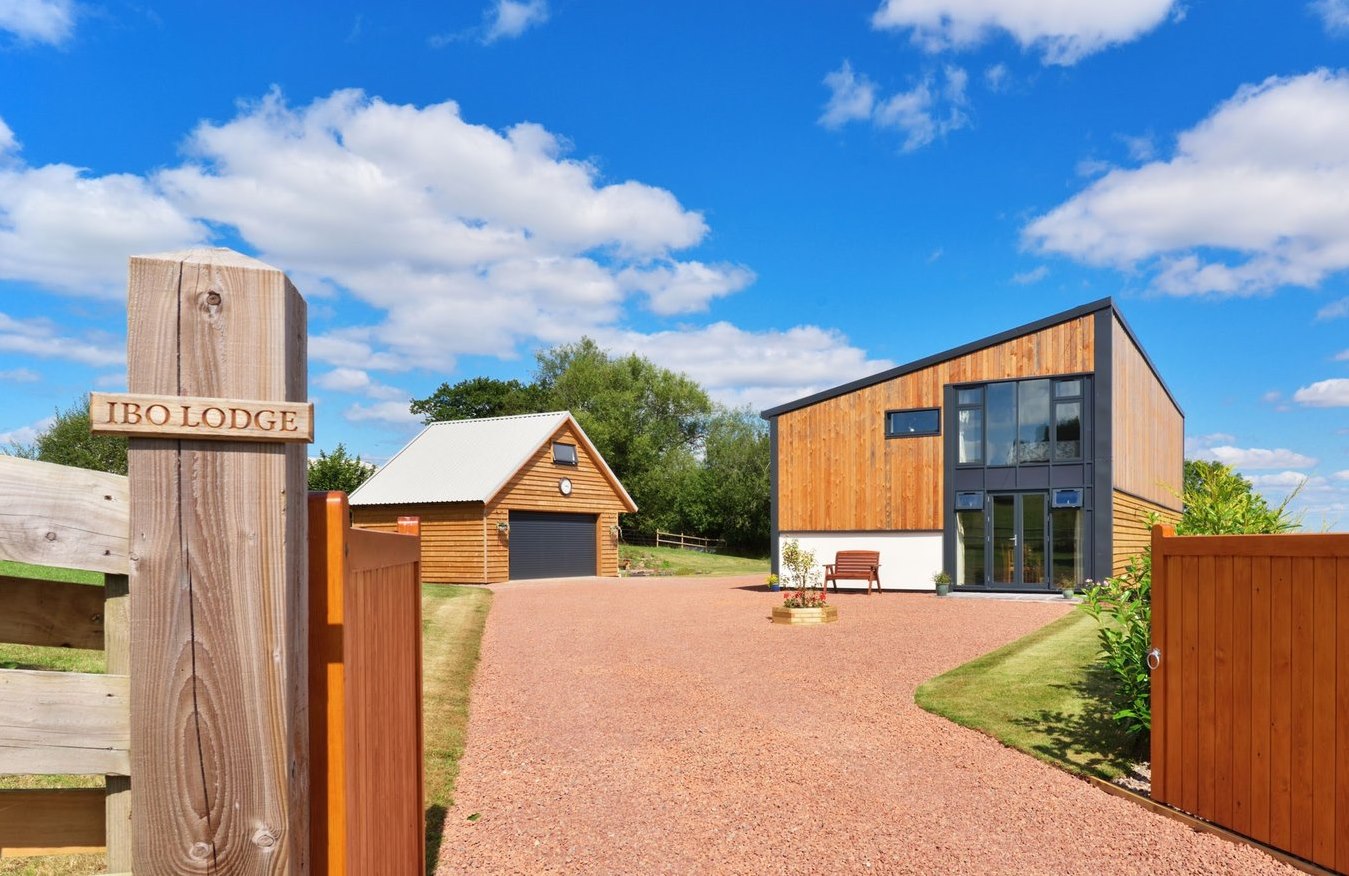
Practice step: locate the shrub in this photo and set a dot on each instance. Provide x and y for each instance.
(799, 577)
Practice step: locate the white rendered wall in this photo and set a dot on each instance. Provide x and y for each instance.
(908, 559)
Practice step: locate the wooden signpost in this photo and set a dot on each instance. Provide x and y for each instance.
(217, 415)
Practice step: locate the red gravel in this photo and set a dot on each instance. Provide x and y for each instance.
(665, 726)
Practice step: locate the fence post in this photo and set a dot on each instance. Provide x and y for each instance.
(219, 728)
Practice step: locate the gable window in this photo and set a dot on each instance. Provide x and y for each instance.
(921, 421)
(1022, 422)
(564, 454)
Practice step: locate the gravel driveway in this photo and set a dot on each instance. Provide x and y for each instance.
(651, 726)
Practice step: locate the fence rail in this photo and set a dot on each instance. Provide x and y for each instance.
(689, 542)
(1250, 720)
(65, 723)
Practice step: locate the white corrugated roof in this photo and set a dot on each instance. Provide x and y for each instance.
(464, 460)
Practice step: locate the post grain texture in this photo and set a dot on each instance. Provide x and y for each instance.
(218, 576)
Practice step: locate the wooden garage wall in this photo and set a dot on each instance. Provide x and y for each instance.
(534, 488)
(838, 471)
(1133, 531)
(452, 537)
(1149, 432)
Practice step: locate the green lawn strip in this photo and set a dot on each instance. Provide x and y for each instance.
(452, 625)
(677, 561)
(1043, 694)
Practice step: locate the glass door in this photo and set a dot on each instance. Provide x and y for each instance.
(1018, 540)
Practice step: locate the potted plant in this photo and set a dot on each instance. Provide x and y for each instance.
(1066, 585)
(773, 583)
(804, 600)
(943, 582)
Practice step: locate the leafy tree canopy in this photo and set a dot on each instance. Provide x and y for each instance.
(1218, 501)
(68, 441)
(479, 397)
(338, 471)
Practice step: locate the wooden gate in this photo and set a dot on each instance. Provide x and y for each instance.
(365, 694)
(1250, 697)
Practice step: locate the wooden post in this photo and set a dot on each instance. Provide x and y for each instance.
(219, 620)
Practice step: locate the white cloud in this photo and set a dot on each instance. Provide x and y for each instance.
(686, 287)
(39, 21)
(26, 434)
(1286, 481)
(932, 108)
(1255, 457)
(1341, 475)
(1342, 356)
(68, 231)
(354, 380)
(1334, 310)
(1062, 31)
(851, 97)
(1332, 393)
(393, 412)
(1251, 199)
(19, 375)
(1334, 14)
(41, 338)
(510, 18)
(1197, 443)
(1034, 275)
(759, 368)
(996, 76)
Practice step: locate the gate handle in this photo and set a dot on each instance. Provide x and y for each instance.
(1154, 658)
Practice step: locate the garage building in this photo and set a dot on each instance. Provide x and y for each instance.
(504, 498)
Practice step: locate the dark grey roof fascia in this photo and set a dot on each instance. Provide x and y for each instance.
(966, 349)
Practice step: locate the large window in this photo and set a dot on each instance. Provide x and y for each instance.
(923, 421)
(1024, 422)
(564, 454)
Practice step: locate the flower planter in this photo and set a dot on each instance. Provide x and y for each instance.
(826, 614)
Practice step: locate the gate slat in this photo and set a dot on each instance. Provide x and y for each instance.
(1342, 718)
(1204, 585)
(1175, 695)
(1161, 608)
(1303, 595)
(1222, 737)
(1323, 716)
(1189, 786)
(1260, 666)
(1280, 710)
(1241, 694)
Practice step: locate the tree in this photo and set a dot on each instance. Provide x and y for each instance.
(733, 488)
(1218, 501)
(338, 471)
(480, 397)
(69, 441)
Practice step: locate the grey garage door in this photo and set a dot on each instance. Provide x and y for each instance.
(548, 545)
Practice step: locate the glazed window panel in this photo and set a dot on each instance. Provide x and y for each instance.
(1000, 416)
(970, 557)
(564, 454)
(1033, 421)
(1066, 524)
(924, 421)
(1067, 430)
(971, 435)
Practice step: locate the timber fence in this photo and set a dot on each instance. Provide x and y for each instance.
(673, 539)
(262, 694)
(1250, 694)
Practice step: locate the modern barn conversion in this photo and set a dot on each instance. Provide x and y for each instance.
(1023, 461)
(504, 498)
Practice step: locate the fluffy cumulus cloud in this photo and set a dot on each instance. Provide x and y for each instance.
(758, 368)
(1334, 310)
(42, 339)
(932, 108)
(1333, 13)
(686, 287)
(25, 434)
(507, 19)
(1257, 458)
(1250, 201)
(38, 21)
(1333, 393)
(1061, 31)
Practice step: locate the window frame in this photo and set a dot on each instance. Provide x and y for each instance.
(575, 455)
(1084, 380)
(928, 410)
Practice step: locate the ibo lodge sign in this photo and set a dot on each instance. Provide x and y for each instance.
(162, 416)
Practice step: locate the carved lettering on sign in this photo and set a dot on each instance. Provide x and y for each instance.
(153, 416)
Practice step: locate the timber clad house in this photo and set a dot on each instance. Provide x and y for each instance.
(505, 498)
(1022, 461)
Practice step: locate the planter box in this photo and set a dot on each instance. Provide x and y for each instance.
(826, 615)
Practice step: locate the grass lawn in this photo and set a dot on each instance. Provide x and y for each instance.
(1043, 694)
(452, 625)
(675, 561)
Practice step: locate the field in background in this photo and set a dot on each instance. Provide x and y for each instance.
(673, 561)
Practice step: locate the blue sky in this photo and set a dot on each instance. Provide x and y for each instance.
(774, 198)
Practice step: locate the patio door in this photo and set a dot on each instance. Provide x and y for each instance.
(1018, 540)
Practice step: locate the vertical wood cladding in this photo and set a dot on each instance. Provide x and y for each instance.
(460, 540)
(1149, 433)
(1133, 532)
(838, 471)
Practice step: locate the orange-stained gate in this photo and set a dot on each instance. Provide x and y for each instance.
(365, 687)
(1250, 697)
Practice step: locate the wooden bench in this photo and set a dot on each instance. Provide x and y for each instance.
(854, 566)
